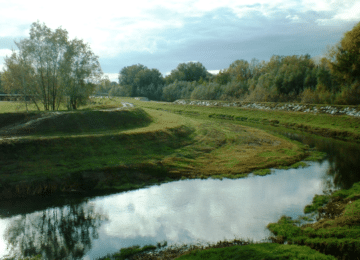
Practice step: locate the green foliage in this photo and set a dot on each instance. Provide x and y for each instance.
(178, 90)
(223, 77)
(126, 253)
(190, 71)
(262, 172)
(346, 56)
(318, 201)
(50, 69)
(2, 90)
(138, 80)
(257, 251)
(337, 235)
(285, 228)
(211, 91)
(349, 193)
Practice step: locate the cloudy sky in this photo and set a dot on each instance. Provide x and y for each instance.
(163, 33)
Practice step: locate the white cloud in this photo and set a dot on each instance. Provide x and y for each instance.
(5, 52)
(113, 28)
(113, 76)
(214, 72)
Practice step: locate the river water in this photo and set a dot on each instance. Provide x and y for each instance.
(187, 211)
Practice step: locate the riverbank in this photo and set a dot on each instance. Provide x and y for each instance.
(336, 231)
(290, 107)
(338, 126)
(110, 151)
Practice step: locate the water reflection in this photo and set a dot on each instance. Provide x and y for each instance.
(56, 233)
(204, 211)
(180, 212)
(343, 158)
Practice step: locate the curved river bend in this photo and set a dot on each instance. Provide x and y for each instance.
(187, 211)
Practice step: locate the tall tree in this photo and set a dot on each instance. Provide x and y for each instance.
(190, 71)
(142, 81)
(346, 57)
(2, 90)
(81, 71)
(51, 68)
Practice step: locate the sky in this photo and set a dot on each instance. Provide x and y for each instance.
(161, 34)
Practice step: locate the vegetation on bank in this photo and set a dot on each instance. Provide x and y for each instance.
(257, 251)
(330, 80)
(334, 126)
(115, 150)
(337, 230)
(221, 251)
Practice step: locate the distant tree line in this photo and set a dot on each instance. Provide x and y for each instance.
(334, 79)
(51, 67)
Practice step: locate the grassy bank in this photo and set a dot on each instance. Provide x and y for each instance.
(342, 127)
(221, 251)
(337, 230)
(111, 150)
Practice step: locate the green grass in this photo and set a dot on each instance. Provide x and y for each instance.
(104, 150)
(318, 201)
(336, 232)
(341, 127)
(125, 253)
(72, 123)
(257, 251)
(315, 156)
(262, 172)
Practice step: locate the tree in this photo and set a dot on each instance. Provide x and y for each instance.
(104, 86)
(19, 77)
(190, 71)
(223, 77)
(127, 77)
(345, 57)
(178, 90)
(2, 90)
(51, 68)
(81, 71)
(141, 81)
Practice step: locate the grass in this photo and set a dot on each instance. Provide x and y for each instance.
(341, 127)
(222, 250)
(262, 172)
(120, 150)
(125, 253)
(337, 230)
(256, 251)
(318, 201)
(150, 145)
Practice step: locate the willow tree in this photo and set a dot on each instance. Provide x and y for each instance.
(61, 70)
(80, 73)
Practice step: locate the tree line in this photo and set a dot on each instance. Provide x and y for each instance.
(333, 79)
(53, 69)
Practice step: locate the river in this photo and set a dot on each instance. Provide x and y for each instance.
(186, 211)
